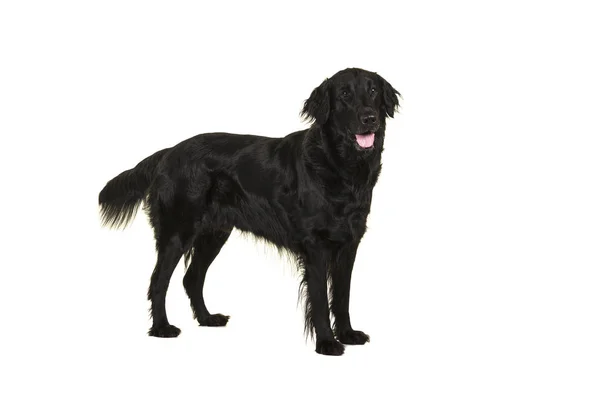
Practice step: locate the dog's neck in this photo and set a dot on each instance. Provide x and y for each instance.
(339, 159)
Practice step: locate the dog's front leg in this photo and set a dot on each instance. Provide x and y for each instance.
(341, 275)
(317, 305)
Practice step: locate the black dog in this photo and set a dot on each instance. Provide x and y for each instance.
(308, 193)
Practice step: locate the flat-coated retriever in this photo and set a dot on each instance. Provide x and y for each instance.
(308, 193)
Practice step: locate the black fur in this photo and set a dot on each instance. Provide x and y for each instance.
(308, 193)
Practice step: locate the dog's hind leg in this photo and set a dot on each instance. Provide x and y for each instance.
(205, 248)
(170, 249)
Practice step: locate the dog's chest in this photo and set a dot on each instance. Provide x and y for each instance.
(341, 216)
(350, 219)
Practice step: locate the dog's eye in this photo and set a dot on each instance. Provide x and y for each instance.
(345, 94)
(373, 91)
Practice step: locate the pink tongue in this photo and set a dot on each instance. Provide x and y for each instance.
(366, 140)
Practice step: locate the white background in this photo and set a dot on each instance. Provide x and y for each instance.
(479, 275)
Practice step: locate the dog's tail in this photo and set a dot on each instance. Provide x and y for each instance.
(122, 195)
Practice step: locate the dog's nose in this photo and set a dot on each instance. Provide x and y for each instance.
(368, 118)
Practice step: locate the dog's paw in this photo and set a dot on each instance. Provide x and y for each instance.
(353, 337)
(214, 320)
(330, 347)
(165, 331)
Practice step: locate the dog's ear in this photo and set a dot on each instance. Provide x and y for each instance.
(390, 98)
(316, 107)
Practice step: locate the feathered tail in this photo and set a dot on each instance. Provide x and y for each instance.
(122, 195)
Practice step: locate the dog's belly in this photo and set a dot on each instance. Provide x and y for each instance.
(286, 219)
(264, 221)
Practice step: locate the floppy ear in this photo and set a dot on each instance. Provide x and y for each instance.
(390, 98)
(316, 107)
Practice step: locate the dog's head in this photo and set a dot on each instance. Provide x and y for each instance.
(353, 105)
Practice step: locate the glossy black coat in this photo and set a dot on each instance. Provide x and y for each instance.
(308, 193)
